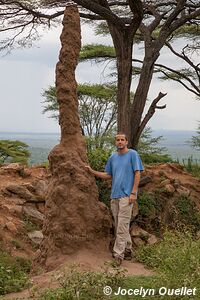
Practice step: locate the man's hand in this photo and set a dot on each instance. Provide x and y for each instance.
(132, 198)
(102, 175)
(89, 169)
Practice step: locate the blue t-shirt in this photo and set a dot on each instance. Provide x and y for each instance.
(122, 167)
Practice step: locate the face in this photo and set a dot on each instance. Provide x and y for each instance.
(120, 141)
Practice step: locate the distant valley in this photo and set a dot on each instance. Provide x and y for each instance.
(40, 144)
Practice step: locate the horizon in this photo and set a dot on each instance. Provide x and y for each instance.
(50, 132)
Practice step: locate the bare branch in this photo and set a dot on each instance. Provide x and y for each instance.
(91, 16)
(195, 90)
(137, 10)
(102, 11)
(151, 111)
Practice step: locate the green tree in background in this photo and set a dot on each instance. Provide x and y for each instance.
(97, 111)
(195, 141)
(149, 148)
(13, 151)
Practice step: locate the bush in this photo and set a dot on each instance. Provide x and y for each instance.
(188, 214)
(83, 285)
(13, 273)
(193, 166)
(146, 204)
(176, 259)
(148, 158)
(97, 159)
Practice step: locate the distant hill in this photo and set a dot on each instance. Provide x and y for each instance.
(40, 144)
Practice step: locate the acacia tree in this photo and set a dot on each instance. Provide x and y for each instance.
(188, 76)
(97, 111)
(13, 151)
(124, 19)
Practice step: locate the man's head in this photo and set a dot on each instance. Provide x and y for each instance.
(121, 141)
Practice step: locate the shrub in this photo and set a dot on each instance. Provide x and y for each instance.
(193, 166)
(146, 203)
(13, 273)
(83, 285)
(97, 159)
(176, 259)
(188, 214)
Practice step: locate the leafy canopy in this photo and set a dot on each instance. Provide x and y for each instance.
(195, 141)
(13, 151)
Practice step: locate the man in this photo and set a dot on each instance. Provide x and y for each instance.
(124, 168)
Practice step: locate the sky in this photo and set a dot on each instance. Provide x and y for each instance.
(25, 73)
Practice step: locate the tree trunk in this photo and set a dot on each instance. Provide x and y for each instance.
(123, 43)
(141, 93)
(74, 216)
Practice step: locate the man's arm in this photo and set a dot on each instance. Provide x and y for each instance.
(136, 181)
(133, 195)
(102, 175)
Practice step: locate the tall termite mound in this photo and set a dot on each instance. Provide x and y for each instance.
(74, 216)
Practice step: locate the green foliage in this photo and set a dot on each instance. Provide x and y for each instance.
(97, 52)
(146, 203)
(176, 259)
(97, 159)
(104, 142)
(13, 273)
(187, 31)
(195, 141)
(101, 28)
(51, 103)
(188, 213)
(17, 244)
(178, 76)
(155, 158)
(83, 285)
(13, 151)
(97, 111)
(193, 166)
(98, 91)
(149, 150)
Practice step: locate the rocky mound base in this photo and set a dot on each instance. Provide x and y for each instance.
(167, 193)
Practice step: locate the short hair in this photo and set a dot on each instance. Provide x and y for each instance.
(122, 133)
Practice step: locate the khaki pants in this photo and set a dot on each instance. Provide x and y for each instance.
(121, 211)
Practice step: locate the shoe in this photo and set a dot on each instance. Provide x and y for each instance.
(128, 254)
(118, 261)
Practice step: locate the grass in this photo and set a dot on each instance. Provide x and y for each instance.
(192, 166)
(17, 244)
(147, 204)
(175, 261)
(13, 273)
(187, 213)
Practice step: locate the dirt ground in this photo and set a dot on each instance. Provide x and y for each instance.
(85, 260)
